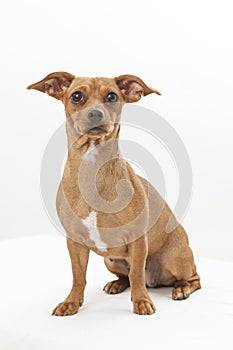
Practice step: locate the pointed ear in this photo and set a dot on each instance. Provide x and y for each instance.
(54, 84)
(132, 88)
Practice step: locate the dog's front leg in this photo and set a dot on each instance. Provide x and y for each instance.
(142, 303)
(79, 255)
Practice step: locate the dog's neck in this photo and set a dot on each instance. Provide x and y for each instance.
(80, 145)
(94, 164)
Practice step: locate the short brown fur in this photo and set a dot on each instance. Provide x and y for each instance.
(144, 254)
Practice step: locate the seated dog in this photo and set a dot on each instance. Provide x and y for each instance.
(105, 207)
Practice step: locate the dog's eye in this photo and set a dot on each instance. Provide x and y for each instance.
(111, 97)
(77, 97)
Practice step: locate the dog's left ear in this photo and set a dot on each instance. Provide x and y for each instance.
(54, 84)
(133, 88)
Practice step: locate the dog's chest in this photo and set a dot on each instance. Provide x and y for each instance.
(91, 183)
(90, 222)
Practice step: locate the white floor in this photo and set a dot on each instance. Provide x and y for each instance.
(36, 275)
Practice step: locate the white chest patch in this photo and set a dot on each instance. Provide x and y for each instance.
(91, 224)
(91, 153)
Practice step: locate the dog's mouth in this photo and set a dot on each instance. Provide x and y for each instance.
(96, 130)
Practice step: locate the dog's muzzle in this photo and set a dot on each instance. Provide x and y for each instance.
(95, 117)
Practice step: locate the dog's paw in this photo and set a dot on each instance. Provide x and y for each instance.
(66, 308)
(144, 307)
(181, 293)
(116, 286)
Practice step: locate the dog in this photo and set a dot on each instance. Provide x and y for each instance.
(105, 207)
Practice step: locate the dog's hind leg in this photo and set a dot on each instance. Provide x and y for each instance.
(183, 289)
(176, 267)
(183, 268)
(120, 268)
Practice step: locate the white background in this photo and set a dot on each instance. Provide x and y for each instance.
(183, 49)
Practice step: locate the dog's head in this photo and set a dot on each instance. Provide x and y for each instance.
(94, 104)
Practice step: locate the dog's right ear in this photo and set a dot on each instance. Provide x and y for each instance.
(54, 84)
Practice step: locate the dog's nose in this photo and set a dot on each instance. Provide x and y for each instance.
(95, 115)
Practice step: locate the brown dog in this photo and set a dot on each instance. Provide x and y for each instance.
(104, 206)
